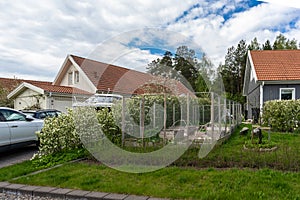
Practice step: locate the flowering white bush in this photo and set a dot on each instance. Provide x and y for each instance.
(58, 134)
(282, 115)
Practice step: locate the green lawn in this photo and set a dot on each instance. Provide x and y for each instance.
(232, 154)
(175, 182)
(228, 172)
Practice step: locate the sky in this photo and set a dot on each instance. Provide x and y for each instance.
(37, 36)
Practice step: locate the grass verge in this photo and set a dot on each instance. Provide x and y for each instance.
(174, 182)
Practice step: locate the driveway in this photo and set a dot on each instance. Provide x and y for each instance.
(15, 156)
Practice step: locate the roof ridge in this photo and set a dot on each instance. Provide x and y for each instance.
(111, 65)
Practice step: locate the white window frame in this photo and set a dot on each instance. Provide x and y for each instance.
(293, 92)
(76, 76)
(70, 78)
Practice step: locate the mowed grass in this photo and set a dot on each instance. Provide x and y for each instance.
(228, 172)
(231, 153)
(20, 169)
(174, 182)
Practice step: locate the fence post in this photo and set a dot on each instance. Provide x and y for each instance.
(154, 115)
(187, 115)
(174, 114)
(212, 114)
(165, 117)
(230, 113)
(219, 116)
(142, 119)
(202, 114)
(123, 120)
(225, 110)
(234, 114)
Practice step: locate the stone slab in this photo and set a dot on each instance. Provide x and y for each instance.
(135, 197)
(77, 194)
(28, 189)
(13, 188)
(43, 191)
(3, 185)
(116, 196)
(96, 195)
(59, 192)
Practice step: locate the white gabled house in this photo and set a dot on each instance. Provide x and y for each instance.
(80, 77)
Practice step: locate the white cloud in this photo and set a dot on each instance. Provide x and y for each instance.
(289, 3)
(215, 34)
(35, 37)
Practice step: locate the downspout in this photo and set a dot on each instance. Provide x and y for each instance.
(261, 95)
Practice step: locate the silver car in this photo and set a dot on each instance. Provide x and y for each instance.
(17, 129)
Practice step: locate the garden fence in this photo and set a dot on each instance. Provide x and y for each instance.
(202, 114)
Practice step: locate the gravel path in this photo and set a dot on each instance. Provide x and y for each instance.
(11, 196)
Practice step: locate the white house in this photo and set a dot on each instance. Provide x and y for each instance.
(79, 78)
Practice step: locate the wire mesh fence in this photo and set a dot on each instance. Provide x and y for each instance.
(196, 116)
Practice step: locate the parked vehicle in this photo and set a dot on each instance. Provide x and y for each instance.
(100, 101)
(42, 114)
(17, 129)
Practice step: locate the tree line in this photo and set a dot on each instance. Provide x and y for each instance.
(201, 74)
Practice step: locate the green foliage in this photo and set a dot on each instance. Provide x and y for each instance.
(149, 102)
(4, 102)
(58, 134)
(185, 67)
(234, 68)
(282, 42)
(108, 126)
(264, 145)
(50, 160)
(282, 115)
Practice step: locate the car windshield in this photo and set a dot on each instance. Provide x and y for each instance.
(102, 99)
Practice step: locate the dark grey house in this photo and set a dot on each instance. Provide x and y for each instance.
(270, 75)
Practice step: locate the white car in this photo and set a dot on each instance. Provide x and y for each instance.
(100, 101)
(17, 129)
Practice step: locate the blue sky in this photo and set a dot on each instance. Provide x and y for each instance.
(36, 37)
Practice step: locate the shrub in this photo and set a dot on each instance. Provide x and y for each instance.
(57, 134)
(282, 115)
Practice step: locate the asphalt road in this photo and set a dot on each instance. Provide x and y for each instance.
(18, 155)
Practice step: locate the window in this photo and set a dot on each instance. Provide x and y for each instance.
(9, 115)
(287, 93)
(70, 78)
(76, 76)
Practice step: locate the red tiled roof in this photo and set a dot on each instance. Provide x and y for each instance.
(271, 65)
(58, 89)
(107, 77)
(10, 84)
